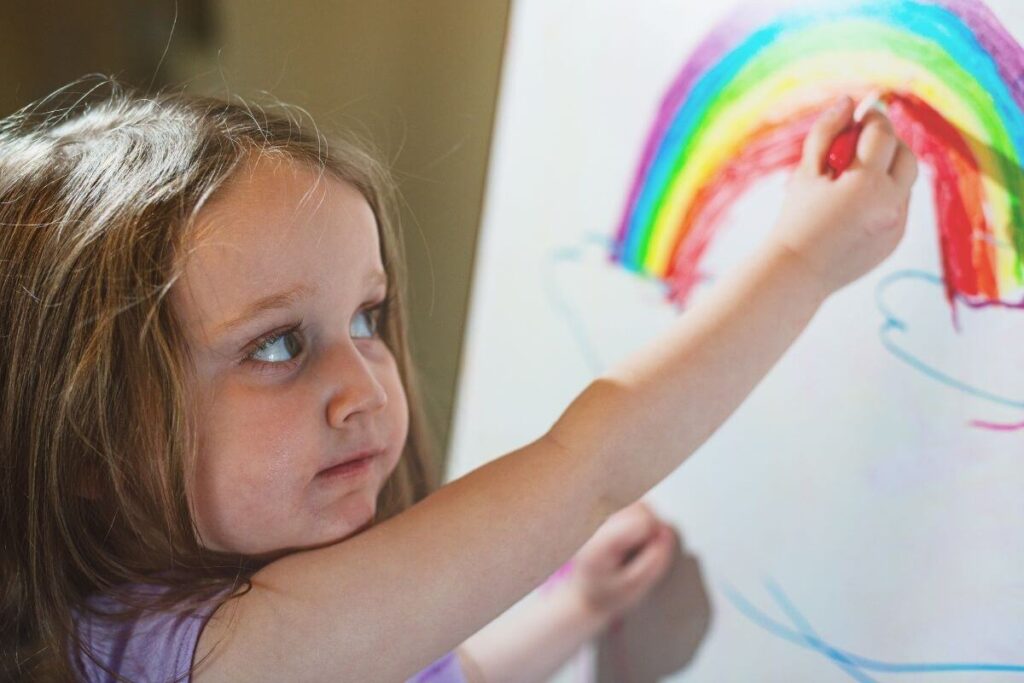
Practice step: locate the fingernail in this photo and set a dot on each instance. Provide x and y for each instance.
(872, 101)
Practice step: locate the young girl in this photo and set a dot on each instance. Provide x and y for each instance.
(210, 447)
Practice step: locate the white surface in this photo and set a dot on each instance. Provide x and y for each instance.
(847, 478)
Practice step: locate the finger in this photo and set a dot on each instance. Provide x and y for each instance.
(823, 131)
(904, 167)
(878, 142)
(627, 530)
(653, 560)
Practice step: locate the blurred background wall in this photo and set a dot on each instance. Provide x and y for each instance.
(419, 78)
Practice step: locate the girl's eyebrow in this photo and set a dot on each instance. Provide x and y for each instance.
(267, 303)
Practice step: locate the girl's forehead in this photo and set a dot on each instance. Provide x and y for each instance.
(276, 226)
(272, 207)
(285, 190)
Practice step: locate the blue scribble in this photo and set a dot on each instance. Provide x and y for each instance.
(893, 326)
(803, 635)
(569, 315)
(810, 636)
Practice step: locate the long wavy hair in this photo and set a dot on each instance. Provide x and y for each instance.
(100, 186)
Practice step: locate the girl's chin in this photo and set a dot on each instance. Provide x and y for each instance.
(356, 517)
(328, 525)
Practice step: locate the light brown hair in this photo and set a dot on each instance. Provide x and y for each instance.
(99, 187)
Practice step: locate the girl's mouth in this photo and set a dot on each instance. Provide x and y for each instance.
(350, 468)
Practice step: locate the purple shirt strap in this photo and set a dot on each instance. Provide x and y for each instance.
(445, 670)
(158, 648)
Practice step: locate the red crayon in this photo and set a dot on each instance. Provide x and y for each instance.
(840, 154)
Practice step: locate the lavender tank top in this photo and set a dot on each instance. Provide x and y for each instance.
(159, 648)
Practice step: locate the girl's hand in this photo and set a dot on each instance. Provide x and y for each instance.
(611, 573)
(622, 561)
(839, 229)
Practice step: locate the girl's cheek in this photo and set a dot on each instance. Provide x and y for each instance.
(398, 404)
(267, 417)
(249, 448)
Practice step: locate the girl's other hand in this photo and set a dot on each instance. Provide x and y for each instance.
(622, 561)
(840, 229)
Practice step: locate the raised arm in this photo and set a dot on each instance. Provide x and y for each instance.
(382, 605)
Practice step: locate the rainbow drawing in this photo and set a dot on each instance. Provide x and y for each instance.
(953, 79)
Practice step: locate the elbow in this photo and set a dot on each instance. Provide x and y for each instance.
(588, 438)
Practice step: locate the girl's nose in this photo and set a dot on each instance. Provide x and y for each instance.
(354, 386)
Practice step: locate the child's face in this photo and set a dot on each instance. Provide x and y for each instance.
(276, 300)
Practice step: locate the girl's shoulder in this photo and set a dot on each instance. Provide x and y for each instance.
(160, 645)
(152, 646)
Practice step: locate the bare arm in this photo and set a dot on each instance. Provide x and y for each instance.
(419, 584)
(534, 642)
(382, 605)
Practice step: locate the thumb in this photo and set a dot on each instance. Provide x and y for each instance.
(823, 132)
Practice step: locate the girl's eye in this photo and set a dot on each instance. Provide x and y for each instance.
(366, 324)
(278, 348)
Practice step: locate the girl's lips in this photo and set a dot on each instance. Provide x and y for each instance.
(350, 468)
